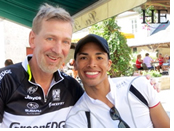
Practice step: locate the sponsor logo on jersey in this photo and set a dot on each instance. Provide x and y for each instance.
(47, 125)
(32, 89)
(120, 84)
(32, 105)
(3, 73)
(33, 112)
(32, 108)
(56, 104)
(33, 98)
(56, 95)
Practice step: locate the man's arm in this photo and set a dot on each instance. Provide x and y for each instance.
(159, 117)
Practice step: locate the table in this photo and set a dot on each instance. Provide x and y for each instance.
(154, 64)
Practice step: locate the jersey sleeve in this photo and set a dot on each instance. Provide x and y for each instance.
(5, 90)
(1, 102)
(1, 110)
(147, 90)
(76, 121)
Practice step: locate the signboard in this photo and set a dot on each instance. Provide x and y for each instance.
(104, 11)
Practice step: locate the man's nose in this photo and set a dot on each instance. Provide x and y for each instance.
(57, 48)
(92, 62)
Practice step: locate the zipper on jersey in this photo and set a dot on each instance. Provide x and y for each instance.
(52, 84)
(46, 95)
(45, 99)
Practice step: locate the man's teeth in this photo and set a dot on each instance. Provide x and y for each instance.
(91, 73)
(52, 58)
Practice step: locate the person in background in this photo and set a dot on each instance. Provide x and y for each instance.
(62, 67)
(70, 64)
(108, 102)
(8, 62)
(70, 67)
(75, 73)
(166, 65)
(34, 93)
(148, 60)
(160, 59)
(139, 62)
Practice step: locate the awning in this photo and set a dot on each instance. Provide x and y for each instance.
(128, 35)
(103, 11)
(84, 12)
(23, 11)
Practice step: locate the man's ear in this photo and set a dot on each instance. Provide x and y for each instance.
(31, 39)
(109, 64)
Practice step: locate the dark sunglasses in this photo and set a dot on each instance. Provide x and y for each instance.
(116, 116)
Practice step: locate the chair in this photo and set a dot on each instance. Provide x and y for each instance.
(135, 68)
(136, 71)
(144, 66)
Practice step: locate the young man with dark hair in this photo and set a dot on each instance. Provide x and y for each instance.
(111, 102)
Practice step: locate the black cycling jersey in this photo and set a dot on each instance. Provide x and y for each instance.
(23, 103)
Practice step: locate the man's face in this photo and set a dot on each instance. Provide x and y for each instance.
(51, 45)
(160, 56)
(92, 64)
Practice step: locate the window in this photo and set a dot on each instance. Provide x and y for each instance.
(134, 25)
(134, 50)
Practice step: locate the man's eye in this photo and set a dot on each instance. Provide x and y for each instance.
(66, 42)
(50, 39)
(82, 58)
(99, 58)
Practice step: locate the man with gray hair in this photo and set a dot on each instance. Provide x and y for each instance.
(34, 93)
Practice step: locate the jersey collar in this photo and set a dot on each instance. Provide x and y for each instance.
(26, 66)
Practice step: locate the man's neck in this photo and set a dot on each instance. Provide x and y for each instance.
(40, 77)
(100, 92)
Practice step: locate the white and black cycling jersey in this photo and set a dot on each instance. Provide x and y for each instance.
(23, 103)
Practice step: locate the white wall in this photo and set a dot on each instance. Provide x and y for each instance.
(2, 49)
(124, 21)
(14, 40)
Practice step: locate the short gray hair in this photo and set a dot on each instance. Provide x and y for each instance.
(48, 12)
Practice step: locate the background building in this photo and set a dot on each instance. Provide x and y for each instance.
(152, 38)
(13, 41)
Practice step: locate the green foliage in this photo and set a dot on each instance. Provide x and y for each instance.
(153, 73)
(119, 50)
(133, 58)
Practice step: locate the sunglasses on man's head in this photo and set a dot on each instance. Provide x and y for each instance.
(116, 116)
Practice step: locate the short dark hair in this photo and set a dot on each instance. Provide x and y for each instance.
(8, 62)
(147, 54)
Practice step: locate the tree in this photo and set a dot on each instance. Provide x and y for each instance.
(119, 50)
